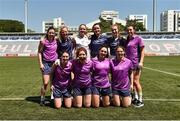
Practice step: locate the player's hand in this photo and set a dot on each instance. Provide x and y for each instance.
(42, 67)
(140, 65)
(57, 62)
(52, 88)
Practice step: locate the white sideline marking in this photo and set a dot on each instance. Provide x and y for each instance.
(163, 100)
(4, 99)
(165, 72)
(148, 99)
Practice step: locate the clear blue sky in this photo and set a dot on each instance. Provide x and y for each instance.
(75, 12)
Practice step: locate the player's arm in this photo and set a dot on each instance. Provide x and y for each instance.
(40, 50)
(74, 47)
(142, 50)
(52, 76)
(131, 79)
(74, 43)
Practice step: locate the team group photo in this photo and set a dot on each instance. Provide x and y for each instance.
(85, 65)
(89, 59)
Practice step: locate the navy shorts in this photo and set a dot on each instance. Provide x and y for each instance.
(47, 67)
(58, 93)
(81, 91)
(122, 93)
(101, 91)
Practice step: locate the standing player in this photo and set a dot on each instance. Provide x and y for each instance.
(97, 40)
(82, 39)
(135, 52)
(66, 43)
(46, 56)
(100, 78)
(60, 79)
(81, 84)
(115, 40)
(122, 78)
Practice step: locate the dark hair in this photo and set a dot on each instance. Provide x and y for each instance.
(60, 53)
(95, 25)
(133, 26)
(79, 50)
(51, 27)
(64, 52)
(105, 46)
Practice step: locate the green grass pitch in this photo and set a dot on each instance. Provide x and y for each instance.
(20, 78)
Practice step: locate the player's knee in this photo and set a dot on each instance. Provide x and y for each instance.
(126, 105)
(136, 83)
(106, 104)
(87, 105)
(45, 86)
(57, 106)
(95, 105)
(67, 106)
(78, 105)
(116, 104)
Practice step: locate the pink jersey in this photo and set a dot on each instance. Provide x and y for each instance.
(82, 74)
(62, 76)
(120, 73)
(133, 49)
(50, 50)
(100, 75)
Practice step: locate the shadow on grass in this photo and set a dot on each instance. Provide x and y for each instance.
(36, 99)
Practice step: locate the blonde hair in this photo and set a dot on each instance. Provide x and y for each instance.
(61, 28)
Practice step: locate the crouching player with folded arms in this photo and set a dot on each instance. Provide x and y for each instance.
(122, 78)
(81, 84)
(60, 82)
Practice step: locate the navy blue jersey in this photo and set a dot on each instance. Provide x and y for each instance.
(113, 43)
(66, 45)
(96, 43)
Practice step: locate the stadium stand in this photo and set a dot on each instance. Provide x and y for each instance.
(19, 44)
(162, 47)
(26, 45)
(18, 48)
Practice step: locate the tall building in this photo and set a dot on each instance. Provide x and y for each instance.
(170, 21)
(56, 23)
(140, 18)
(108, 15)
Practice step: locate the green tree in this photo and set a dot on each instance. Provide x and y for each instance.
(11, 26)
(106, 25)
(138, 26)
(30, 31)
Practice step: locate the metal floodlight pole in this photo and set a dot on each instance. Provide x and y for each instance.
(26, 15)
(154, 15)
